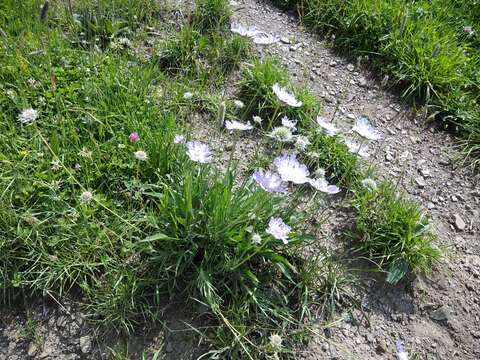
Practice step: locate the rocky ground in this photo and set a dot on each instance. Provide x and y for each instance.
(437, 316)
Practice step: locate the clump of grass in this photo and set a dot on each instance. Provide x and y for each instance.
(393, 231)
(256, 92)
(212, 16)
(204, 57)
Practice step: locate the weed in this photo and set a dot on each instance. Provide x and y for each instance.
(393, 231)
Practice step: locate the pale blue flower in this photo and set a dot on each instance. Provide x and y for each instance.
(269, 181)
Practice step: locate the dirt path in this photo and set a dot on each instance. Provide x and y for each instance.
(438, 317)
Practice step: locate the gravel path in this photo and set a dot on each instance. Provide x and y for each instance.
(437, 317)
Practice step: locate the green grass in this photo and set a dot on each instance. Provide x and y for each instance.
(393, 231)
(153, 229)
(421, 45)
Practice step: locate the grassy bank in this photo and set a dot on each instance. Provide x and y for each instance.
(429, 49)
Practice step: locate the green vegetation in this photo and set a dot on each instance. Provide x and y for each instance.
(102, 203)
(429, 49)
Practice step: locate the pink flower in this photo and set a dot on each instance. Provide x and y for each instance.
(134, 137)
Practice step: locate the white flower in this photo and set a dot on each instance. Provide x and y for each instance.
(327, 126)
(242, 30)
(281, 134)
(289, 124)
(269, 181)
(262, 38)
(78, 166)
(85, 153)
(285, 97)
(256, 238)
(239, 104)
(322, 185)
(290, 169)
(401, 353)
(278, 229)
(302, 142)
(86, 196)
(179, 139)
(140, 155)
(359, 149)
(55, 164)
(275, 341)
(370, 184)
(366, 130)
(257, 120)
(187, 95)
(236, 125)
(198, 152)
(28, 116)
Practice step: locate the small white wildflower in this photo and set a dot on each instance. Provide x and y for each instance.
(276, 341)
(278, 229)
(85, 153)
(256, 238)
(28, 116)
(78, 166)
(125, 42)
(188, 95)
(401, 353)
(281, 134)
(370, 184)
(364, 128)
(140, 155)
(179, 139)
(257, 120)
(261, 38)
(239, 104)
(285, 97)
(289, 124)
(236, 125)
(55, 164)
(121, 146)
(302, 142)
(86, 196)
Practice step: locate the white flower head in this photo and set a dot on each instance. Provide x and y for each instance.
(289, 124)
(257, 239)
(302, 142)
(281, 134)
(276, 341)
(278, 229)
(179, 139)
(360, 149)
(262, 38)
(327, 126)
(27, 116)
(86, 196)
(290, 169)
(257, 120)
(140, 155)
(242, 30)
(188, 95)
(366, 130)
(401, 353)
(370, 184)
(269, 181)
(285, 97)
(55, 164)
(198, 152)
(236, 125)
(85, 153)
(322, 185)
(239, 104)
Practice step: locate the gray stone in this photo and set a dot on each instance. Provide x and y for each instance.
(381, 347)
(420, 182)
(85, 344)
(441, 314)
(459, 223)
(32, 349)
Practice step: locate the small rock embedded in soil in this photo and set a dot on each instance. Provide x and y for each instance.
(459, 223)
(381, 347)
(420, 182)
(441, 314)
(32, 349)
(85, 344)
